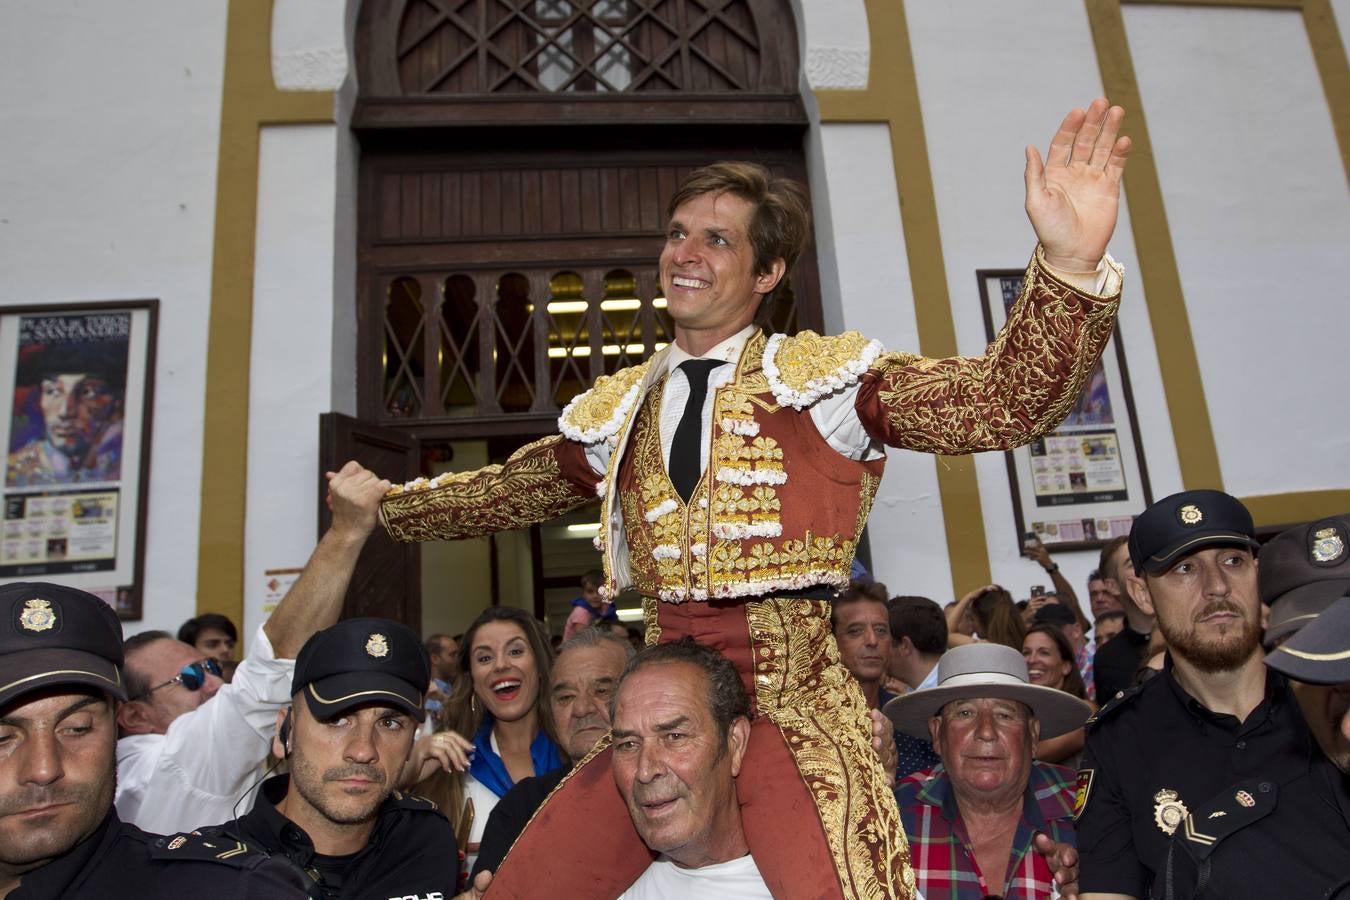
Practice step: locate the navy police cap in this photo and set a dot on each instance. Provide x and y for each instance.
(1181, 524)
(1303, 571)
(53, 635)
(362, 662)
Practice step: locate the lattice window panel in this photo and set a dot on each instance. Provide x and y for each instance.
(581, 46)
(521, 340)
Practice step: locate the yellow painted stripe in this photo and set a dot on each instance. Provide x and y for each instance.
(892, 96)
(250, 100)
(1182, 384)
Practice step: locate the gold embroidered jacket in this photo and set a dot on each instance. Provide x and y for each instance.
(1021, 388)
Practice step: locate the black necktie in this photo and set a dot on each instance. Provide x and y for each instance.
(685, 449)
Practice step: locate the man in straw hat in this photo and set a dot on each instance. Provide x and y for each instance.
(972, 821)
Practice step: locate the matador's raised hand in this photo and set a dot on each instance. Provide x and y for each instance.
(1073, 198)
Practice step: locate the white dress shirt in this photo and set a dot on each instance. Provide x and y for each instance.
(196, 773)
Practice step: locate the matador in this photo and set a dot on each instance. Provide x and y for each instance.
(736, 472)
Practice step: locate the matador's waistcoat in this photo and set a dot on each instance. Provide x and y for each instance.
(777, 507)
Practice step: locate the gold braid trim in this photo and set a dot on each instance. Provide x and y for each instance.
(528, 488)
(1023, 386)
(807, 693)
(650, 607)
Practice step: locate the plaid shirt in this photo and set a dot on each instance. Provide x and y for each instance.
(940, 850)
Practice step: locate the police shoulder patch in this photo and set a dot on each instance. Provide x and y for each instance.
(1083, 790)
(1114, 705)
(413, 801)
(1230, 810)
(211, 846)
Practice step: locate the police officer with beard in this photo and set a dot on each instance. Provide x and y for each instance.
(1214, 728)
(357, 700)
(60, 682)
(1307, 567)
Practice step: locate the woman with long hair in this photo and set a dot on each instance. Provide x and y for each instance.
(995, 616)
(495, 727)
(1050, 663)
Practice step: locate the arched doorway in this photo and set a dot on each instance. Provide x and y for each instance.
(515, 161)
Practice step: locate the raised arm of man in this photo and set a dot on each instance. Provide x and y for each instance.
(187, 756)
(315, 600)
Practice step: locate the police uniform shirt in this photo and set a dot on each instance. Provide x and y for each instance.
(1213, 852)
(120, 861)
(1156, 754)
(411, 852)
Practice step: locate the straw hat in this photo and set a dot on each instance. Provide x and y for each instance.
(987, 670)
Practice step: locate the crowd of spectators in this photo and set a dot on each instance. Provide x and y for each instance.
(410, 767)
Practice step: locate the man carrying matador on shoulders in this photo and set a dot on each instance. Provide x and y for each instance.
(736, 471)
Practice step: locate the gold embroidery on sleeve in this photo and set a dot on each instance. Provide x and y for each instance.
(528, 488)
(1022, 388)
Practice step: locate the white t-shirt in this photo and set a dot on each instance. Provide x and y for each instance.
(736, 879)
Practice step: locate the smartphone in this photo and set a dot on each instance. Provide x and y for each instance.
(1029, 540)
(1037, 590)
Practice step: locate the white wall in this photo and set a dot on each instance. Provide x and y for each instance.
(107, 191)
(1035, 63)
(1256, 199)
(292, 333)
(908, 544)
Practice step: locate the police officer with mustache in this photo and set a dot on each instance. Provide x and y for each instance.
(1213, 740)
(357, 699)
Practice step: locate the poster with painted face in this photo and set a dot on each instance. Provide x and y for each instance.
(69, 399)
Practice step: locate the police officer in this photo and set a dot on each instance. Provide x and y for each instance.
(1303, 571)
(356, 703)
(1213, 729)
(1300, 570)
(60, 680)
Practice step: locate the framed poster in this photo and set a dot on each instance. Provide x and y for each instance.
(77, 383)
(1083, 483)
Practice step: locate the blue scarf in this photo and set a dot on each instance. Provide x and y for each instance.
(487, 767)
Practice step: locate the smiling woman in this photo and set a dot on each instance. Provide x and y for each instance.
(495, 730)
(1050, 664)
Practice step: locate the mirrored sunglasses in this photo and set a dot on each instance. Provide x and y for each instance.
(192, 676)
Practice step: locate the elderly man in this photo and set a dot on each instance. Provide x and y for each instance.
(60, 653)
(972, 821)
(356, 704)
(1213, 723)
(681, 727)
(736, 470)
(191, 745)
